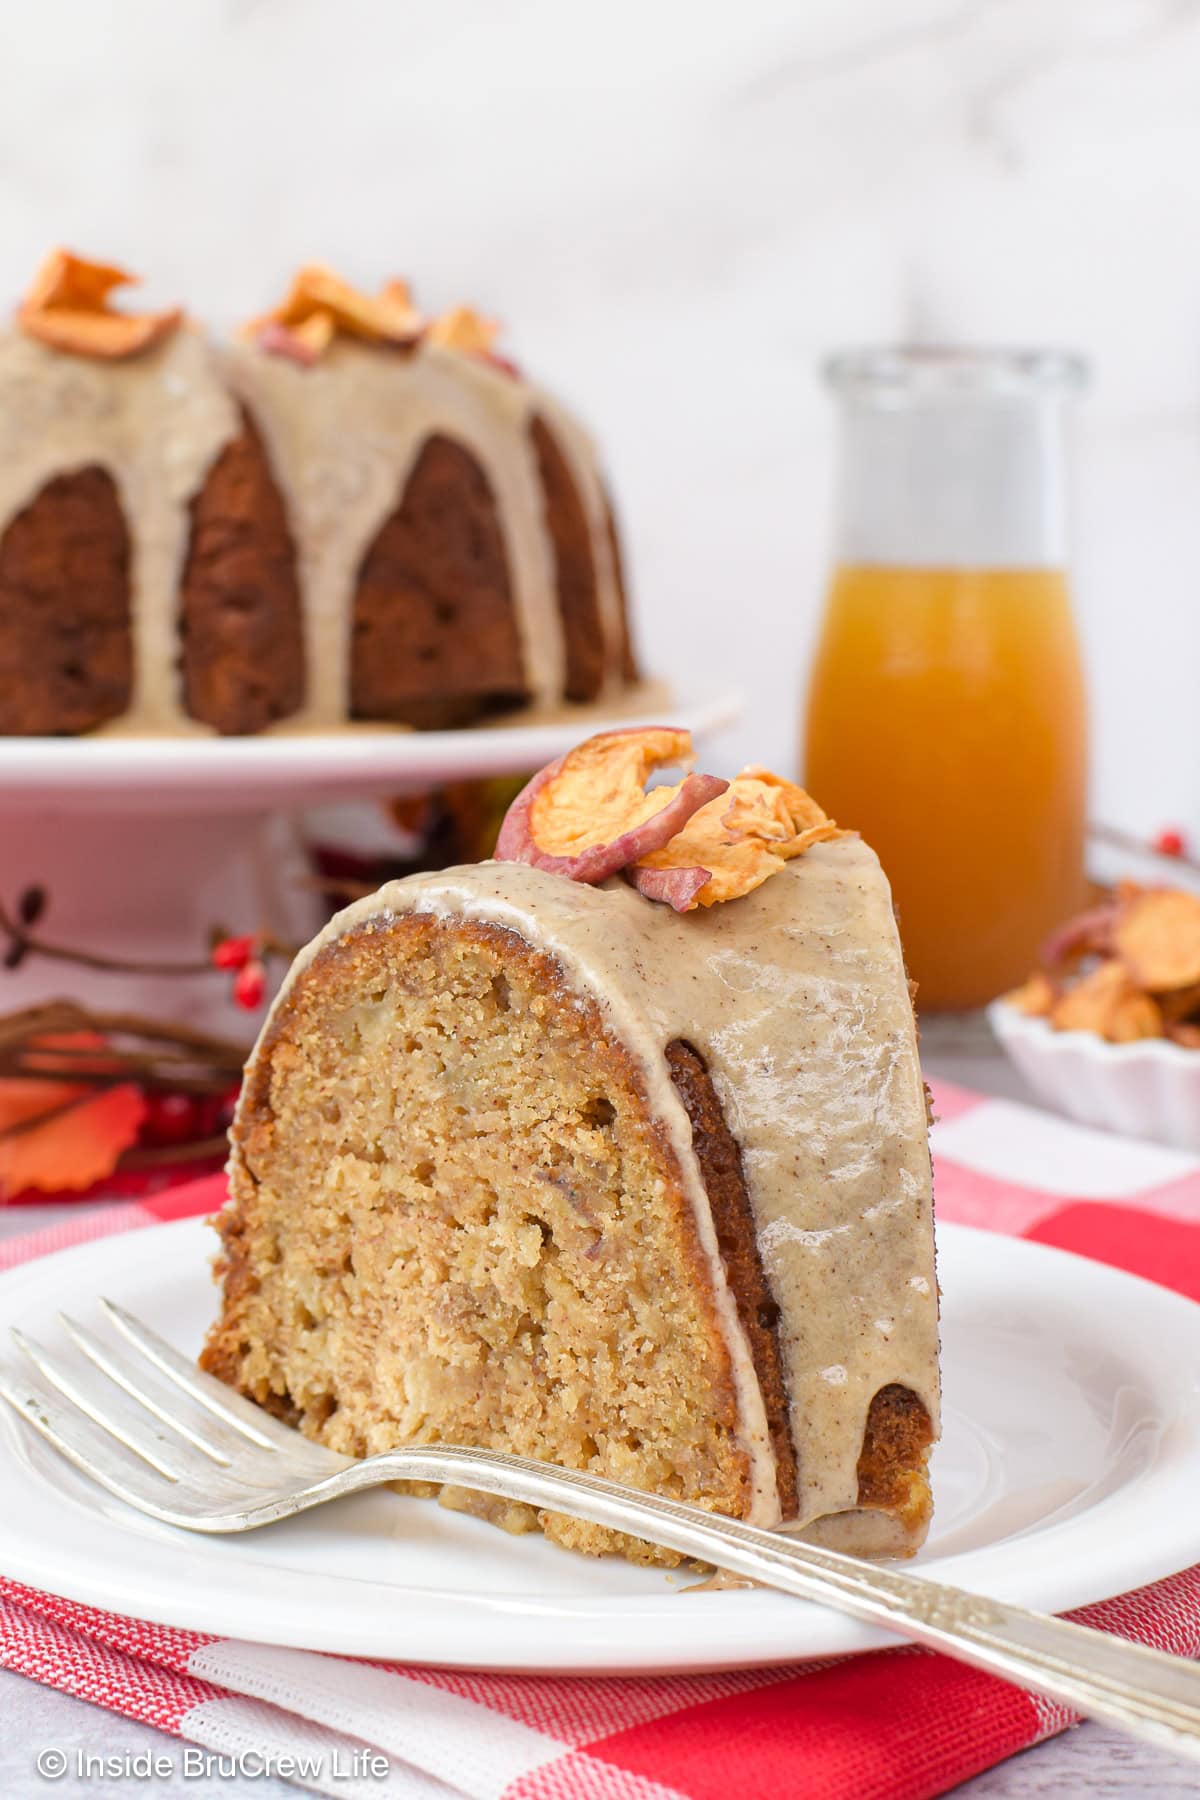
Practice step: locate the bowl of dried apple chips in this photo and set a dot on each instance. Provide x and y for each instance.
(1108, 1028)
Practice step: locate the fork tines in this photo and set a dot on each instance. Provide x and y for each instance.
(134, 1414)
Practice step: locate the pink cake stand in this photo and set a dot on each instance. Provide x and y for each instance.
(144, 845)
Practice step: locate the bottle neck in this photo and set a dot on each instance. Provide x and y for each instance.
(936, 484)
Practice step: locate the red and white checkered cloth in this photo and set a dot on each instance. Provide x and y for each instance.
(890, 1725)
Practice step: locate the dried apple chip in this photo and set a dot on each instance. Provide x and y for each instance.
(319, 305)
(764, 805)
(1089, 933)
(589, 814)
(387, 317)
(1035, 997)
(703, 840)
(675, 887)
(1108, 1002)
(1126, 969)
(1086, 1005)
(65, 279)
(1181, 1005)
(462, 328)
(304, 343)
(67, 308)
(737, 842)
(1134, 1016)
(1157, 937)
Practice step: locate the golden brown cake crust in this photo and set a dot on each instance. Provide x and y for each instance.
(66, 654)
(241, 637)
(896, 1446)
(629, 662)
(434, 638)
(899, 1434)
(574, 567)
(725, 1183)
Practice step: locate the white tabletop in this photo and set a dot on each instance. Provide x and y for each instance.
(1089, 1761)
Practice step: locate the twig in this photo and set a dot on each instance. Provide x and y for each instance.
(157, 1057)
(152, 1156)
(19, 1127)
(1125, 840)
(53, 1017)
(192, 1083)
(24, 942)
(114, 1049)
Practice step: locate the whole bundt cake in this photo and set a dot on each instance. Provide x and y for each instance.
(351, 514)
(526, 1158)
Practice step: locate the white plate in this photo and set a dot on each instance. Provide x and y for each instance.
(1068, 1472)
(163, 774)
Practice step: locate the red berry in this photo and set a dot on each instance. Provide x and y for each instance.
(233, 952)
(208, 1116)
(250, 986)
(1170, 842)
(170, 1119)
(223, 1108)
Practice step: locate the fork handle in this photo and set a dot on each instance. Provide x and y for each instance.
(1144, 1692)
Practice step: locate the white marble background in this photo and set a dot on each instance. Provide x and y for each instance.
(677, 207)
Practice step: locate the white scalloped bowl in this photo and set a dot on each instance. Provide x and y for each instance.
(1148, 1089)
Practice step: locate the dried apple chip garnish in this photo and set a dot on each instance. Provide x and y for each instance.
(1180, 1004)
(462, 328)
(1108, 1002)
(1157, 937)
(1089, 933)
(1125, 969)
(589, 814)
(67, 308)
(763, 805)
(319, 306)
(736, 842)
(305, 342)
(1035, 997)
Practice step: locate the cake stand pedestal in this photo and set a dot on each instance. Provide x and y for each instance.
(144, 846)
(151, 888)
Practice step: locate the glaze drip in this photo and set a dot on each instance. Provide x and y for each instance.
(342, 438)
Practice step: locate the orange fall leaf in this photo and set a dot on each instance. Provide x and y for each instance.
(80, 1141)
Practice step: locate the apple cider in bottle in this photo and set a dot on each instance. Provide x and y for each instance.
(946, 712)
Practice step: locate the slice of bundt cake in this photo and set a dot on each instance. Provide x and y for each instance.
(633, 1185)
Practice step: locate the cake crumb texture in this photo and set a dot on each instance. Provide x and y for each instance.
(453, 1218)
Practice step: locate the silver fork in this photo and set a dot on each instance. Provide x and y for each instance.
(143, 1421)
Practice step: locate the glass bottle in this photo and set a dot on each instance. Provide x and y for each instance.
(947, 716)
